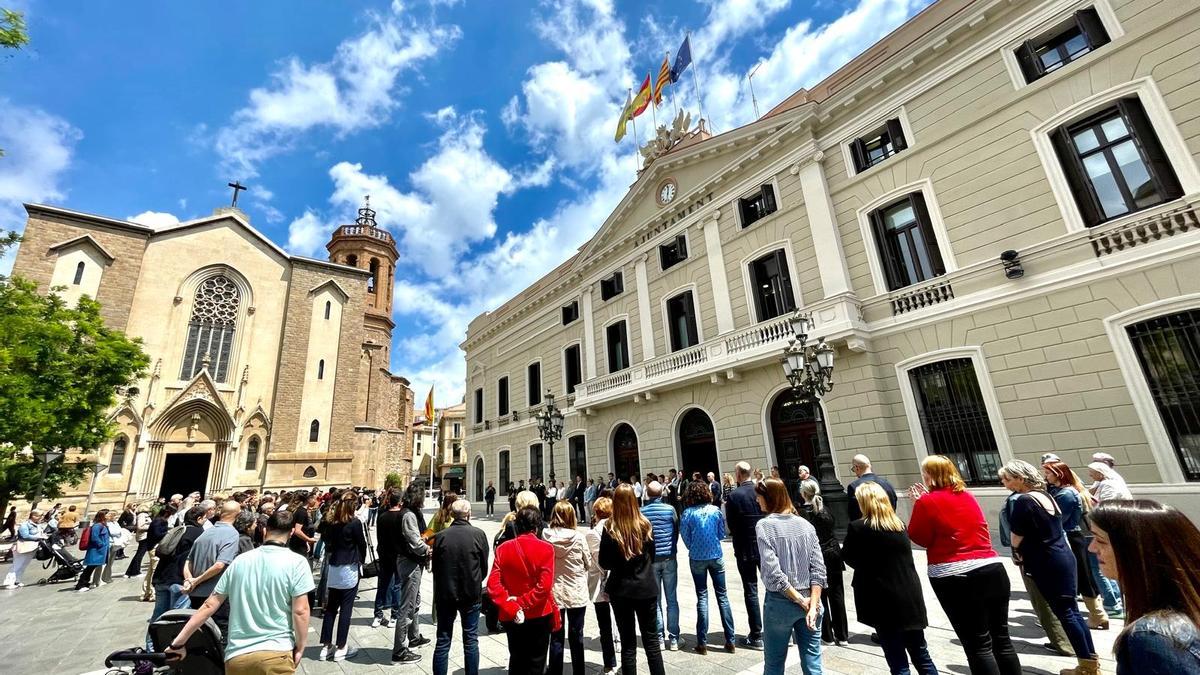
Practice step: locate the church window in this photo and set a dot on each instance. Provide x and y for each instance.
(310, 472)
(374, 280)
(117, 463)
(211, 329)
(321, 369)
(328, 309)
(352, 260)
(314, 431)
(252, 453)
(78, 274)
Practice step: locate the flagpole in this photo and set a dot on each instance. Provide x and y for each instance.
(653, 105)
(433, 456)
(637, 162)
(629, 108)
(696, 84)
(674, 101)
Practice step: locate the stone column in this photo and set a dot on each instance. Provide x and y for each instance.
(589, 329)
(716, 273)
(643, 299)
(827, 239)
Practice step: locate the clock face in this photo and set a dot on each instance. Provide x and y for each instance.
(667, 192)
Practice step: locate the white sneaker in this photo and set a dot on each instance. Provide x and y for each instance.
(102, 583)
(324, 655)
(343, 654)
(85, 589)
(376, 622)
(10, 587)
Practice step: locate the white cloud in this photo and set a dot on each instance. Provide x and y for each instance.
(308, 234)
(357, 89)
(155, 219)
(38, 148)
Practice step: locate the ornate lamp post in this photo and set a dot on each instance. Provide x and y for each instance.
(47, 458)
(809, 369)
(550, 426)
(96, 468)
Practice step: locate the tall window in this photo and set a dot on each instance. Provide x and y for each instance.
(533, 382)
(211, 329)
(373, 282)
(577, 456)
(573, 366)
(681, 321)
(1114, 162)
(612, 286)
(328, 309)
(570, 312)
(457, 430)
(954, 418)
(618, 347)
(116, 465)
(907, 245)
(877, 145)
(478, 407)
(758, 205)
(252, 453)
(78, 274)
(1168, 349)
(535, 460)
(502, 464)
(772, 285)
(502, 397)
(321, 369)
(673, 252)
(1062, 44)
(314, 431)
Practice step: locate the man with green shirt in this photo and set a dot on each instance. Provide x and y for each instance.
(267, 590)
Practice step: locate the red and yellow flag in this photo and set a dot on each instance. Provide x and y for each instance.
(664, 78)
(429, 407)
(641, 100)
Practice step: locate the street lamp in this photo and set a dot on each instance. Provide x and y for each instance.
(96, 468)
(47, 458)
(550, 426)
(809, 370)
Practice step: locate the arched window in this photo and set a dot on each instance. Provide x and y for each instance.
(314, 431)
(211, 329)
(117, 462)
(252, 454)
(328, 307)
(310, 472)
(352, 260)
(78, 274)
(321, 369)
(374, 280)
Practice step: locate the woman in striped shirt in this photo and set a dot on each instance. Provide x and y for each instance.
(793, 572)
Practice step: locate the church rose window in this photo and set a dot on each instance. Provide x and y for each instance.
(211, 329)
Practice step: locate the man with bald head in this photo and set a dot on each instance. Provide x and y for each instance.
(664, 524)
(742, 514)
(861, 466)
(210, 555)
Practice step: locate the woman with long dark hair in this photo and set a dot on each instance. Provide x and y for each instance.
(412, 556)
(835, 628)
(346, 546)
(627, 552)
(1076, 502)
(1153, 551)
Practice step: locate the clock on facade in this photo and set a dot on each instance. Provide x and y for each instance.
(666, 191)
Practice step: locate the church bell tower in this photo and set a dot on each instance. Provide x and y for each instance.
(366, 246)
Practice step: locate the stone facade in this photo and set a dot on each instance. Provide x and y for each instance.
(1043, 360)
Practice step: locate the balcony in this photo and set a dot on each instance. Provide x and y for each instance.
(1106, 241)
(364, 231)
(720, 358)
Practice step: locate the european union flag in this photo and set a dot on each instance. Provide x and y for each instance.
(683, 59)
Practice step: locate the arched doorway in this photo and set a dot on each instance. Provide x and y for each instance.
(478, 479)
(795, 430)
(698, 444)
(625, 452)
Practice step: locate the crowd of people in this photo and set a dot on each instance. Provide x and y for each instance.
(248, 563)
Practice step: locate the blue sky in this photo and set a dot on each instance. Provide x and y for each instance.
(481, 129)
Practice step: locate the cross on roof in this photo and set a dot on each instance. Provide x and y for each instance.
(237, 187)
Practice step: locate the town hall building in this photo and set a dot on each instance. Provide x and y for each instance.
(268, 370)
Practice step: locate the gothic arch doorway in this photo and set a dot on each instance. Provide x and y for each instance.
(796, 433)
(698, 444)
(478, 479)
(625, 452)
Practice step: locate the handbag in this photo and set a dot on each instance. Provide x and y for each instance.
(26, 546)
(371, 569)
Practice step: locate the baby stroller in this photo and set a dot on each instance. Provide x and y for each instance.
(52, 552)
(204, 652)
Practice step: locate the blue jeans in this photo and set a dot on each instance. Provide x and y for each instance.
(1110, 592)
(666, 576)
(700, 571)
(166, 598)
(787, 619)
(387, 592)
(470, 636)
(899, 646)
(748, 571)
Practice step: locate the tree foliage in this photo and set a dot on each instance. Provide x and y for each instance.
(60, 367)
(393, 480)
(13, 34)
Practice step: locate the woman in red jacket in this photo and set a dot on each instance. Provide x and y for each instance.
(521, 585)
(966, 574)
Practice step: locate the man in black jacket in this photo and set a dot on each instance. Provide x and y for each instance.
(387, 590)
(460, 562)
(743, 514)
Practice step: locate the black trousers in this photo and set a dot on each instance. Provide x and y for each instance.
(135, 565)
(339, 604)
(572, 633)
(491, 507)
(977, 605)
(87, 575)
(607, 647)
(835, 626)
(646, 614)
(527, 645)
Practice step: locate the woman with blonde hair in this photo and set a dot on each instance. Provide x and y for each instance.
(627, 552)
(572, 560)
(966, 574)
(887, 591)
(597, 577)
(524, 499)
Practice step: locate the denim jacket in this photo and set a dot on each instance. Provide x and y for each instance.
(1162, 643)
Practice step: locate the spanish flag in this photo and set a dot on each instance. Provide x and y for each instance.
(634, 106)
(664, 78)
(429, 407)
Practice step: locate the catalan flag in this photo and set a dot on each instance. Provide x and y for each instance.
(429, 407)
(664, 78)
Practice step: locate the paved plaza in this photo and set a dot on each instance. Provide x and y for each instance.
(51, 629)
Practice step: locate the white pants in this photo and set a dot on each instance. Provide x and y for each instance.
(20, 562)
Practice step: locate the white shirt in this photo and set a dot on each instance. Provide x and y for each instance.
(637, 490)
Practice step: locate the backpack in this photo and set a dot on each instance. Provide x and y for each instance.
(85, 538)
(170, 541)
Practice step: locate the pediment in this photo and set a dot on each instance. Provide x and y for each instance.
(200, 388)
(230, 221)
(335, 286)
(87, 241)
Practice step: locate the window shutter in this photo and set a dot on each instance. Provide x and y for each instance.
(785, 282)
(858, 152)
(883, 245)
(1147, 140)
(1081, 187)
(768, 197)
(926, 224)
(689, 311)
(1031, 67)
(1091, 27)
(896, 134)
(681, 247)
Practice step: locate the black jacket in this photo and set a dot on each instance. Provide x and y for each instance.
(345, 542)
(391, 538)
(852, 505)
(824, 525)
(631, 579)
(887, 590)
(743, 514)
(460, 564)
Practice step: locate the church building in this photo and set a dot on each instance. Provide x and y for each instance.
(268, 370)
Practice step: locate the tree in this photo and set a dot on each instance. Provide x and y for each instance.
(60, 368)
(13, 34)
(393, 480)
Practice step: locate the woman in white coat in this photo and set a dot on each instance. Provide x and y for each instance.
(572, 563)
